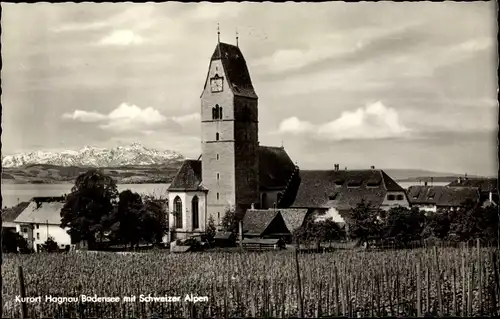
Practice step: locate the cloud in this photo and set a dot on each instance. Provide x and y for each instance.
(294, 125)
(130, 118)
(184, 119)
(375, 121)
(122, 37)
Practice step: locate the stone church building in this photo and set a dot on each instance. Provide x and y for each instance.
(234, 171)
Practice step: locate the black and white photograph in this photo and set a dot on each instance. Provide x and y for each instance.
(248, 159)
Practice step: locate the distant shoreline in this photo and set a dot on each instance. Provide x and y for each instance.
(17, 182)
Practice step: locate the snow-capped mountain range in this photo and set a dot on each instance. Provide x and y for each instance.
(134, 154)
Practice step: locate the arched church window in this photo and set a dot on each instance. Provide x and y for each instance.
(178, 212)
(220, 113)
(217, 136)
(213, 113)
(195, 213)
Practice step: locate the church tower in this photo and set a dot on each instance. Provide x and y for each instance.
(229, 126)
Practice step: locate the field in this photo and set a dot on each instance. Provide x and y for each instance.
(356, 283)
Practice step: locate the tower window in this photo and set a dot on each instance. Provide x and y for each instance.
(218, 176)
(217, 156)
(217, 196)
(217, 112)
(217, 136)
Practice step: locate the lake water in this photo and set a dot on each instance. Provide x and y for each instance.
(405, 185)
(14, 193)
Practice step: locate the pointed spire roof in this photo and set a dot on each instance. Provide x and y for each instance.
(235, 69)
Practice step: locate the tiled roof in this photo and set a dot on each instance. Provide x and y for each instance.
(235, 69)
(188, 178)
(42, 210)
(10, 214)
(484, 184)
(294, 218)
(342, 189)
(256, 221)
(441, 195)
(275, 167)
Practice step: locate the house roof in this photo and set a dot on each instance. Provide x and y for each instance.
(441, 195)
(11, 213)
(188, 178)
(256, 221)
(293, 217)
(483, 184)
(235, 68)
(42, 210)
(275, 167)
(343, 189)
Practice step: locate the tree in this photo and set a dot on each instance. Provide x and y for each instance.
(124, 220)
(50, 245)
(317, 232)
(92, 198)
(473, 221)
(364, 222)
(211, 229)
(438, 224)
(403, 225)
(12, 242)
(135, 218)
(230, 220)
(153, 220)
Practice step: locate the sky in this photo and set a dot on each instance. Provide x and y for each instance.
(394, 85)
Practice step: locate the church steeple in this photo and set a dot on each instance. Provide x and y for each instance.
(218, 33)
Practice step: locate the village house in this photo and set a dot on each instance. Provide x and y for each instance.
(272, 223)
(234, 171)
(434, 198)
(41, 219)
(10, 214)
(333, 193)
(487, 187)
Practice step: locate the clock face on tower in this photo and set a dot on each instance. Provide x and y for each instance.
(216, 84)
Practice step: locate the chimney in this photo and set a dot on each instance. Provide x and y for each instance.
(372, 167)
(459, 180)
(252, 206)
(466, 176)
(432, 180)
(346, 168)
(491, 197)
